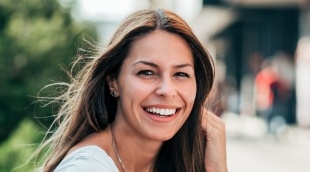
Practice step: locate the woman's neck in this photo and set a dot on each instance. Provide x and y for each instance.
(135, 152)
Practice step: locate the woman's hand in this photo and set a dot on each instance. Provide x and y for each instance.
(215, 159)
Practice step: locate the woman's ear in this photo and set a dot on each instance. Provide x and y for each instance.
(112, 85)
(111, 82)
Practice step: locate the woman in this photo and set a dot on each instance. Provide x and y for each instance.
(138, 106)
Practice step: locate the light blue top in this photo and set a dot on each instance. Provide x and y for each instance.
(89, 158)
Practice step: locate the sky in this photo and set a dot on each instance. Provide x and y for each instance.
(116, 10)
(108, 13)
(106, 10)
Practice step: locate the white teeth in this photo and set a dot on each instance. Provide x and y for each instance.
(162, 112)
(159, 111)
(167, 111)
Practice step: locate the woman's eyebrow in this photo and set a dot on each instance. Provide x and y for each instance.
(156, 66)
(146, 63)
(184, 65)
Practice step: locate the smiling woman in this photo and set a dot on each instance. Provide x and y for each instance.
(139, 105)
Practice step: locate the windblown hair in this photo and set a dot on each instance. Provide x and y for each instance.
(88, 106)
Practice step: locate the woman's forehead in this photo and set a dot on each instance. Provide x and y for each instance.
(161, 45)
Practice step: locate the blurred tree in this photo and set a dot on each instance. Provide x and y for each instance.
(36, 37)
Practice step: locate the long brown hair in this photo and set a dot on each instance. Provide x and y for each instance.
(88, 106)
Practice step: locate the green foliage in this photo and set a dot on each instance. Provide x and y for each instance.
(16, 151)
(36, 37)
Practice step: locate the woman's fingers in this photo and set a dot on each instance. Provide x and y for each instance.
(216, 142)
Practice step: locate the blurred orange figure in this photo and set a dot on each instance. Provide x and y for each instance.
(264, 82)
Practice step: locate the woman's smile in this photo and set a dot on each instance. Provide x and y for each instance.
(161, 114)
(161, 111)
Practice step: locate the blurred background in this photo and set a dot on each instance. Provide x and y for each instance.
(262, 88)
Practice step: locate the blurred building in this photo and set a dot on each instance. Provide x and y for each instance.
(243, 33)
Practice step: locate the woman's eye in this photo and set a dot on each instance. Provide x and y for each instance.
(146, 72)
(182, 74)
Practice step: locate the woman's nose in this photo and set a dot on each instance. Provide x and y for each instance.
(166, 88)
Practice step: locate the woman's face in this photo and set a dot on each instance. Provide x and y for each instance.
(156, 86)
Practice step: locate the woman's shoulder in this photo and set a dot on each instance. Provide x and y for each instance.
(87, 158)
